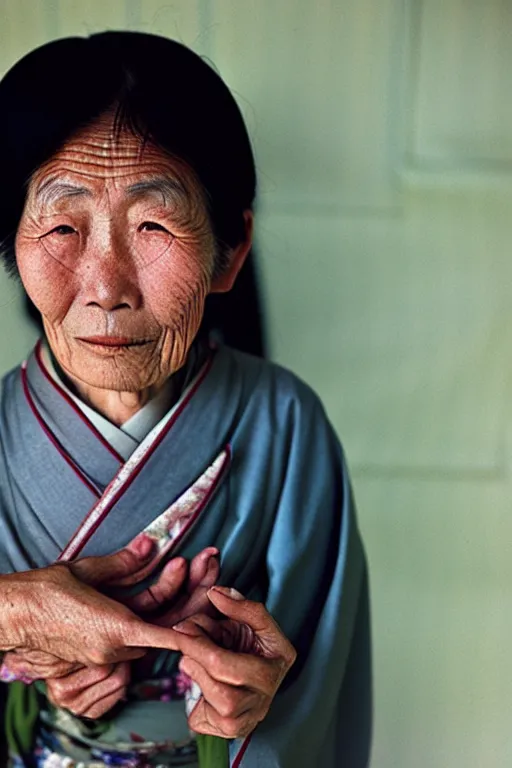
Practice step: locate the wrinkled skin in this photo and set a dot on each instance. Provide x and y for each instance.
(59, 610)
(115, 245)
(116, 250)
(238, 662)
(91, 691)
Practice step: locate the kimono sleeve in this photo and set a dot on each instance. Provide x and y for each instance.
(318, 593)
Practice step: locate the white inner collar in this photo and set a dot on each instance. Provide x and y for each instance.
(128, 436)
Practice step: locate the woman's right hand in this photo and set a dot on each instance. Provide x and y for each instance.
(59, 611)
(92, 691)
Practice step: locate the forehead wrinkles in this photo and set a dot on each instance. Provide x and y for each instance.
(101, 164)
(97, 151)
(84, 160)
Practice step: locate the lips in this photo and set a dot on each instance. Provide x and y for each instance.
(113, 341)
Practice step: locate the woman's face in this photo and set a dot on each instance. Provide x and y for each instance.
(116, 250)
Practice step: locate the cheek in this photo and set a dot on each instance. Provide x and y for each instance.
(49, 284)
(178, 286)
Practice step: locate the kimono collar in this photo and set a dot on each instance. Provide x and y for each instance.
(125, 438)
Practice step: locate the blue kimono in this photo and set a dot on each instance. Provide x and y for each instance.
(245, 461)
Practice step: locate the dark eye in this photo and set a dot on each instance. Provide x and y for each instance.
(151, 226)
(63, 229)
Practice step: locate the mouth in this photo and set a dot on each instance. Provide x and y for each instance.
(112, 343)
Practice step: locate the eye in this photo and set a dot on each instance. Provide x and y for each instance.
(62, 229)
(152, 226)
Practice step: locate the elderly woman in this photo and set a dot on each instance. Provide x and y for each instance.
(140, 468)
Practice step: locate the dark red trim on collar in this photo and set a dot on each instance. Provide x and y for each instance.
(69, 400)
(242, 751)
(70, 551)
(52, 438)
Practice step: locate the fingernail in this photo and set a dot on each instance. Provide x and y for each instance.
(207, 554)
(176, 564)
(230, 592)
(214, 552)
(142, 545)
(184, 628)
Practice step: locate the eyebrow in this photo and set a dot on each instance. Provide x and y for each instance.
(170, 190)
(52, 189)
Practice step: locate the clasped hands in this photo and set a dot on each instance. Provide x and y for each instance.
(74, 628)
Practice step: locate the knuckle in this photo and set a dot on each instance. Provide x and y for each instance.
(197, 723)
(213, 660)
(93, 712)
(75, 708)
(98, 656)
(237, 679)
(99, 709)
(291, 655)
(124, 559)
(58, 692)
(57, 687)
(121, 675)
(52, 697)
(233, 729)
(259, 609)
(228, 704)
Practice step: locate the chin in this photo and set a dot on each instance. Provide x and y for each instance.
(109, 375)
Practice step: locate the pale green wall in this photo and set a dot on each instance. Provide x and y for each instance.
(384, 144)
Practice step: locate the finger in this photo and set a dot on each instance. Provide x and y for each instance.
(170, 581)
(79, 694)
(233, 604)
(205, 625)
(229, 634)
(101, 696)
(138, 634)
(101, 656)
(168, 586)
(233, 668)
(37, 665)
(206, 571)
(203, 568)
(31, 656)
(122, 568)
(197, 603)
(204, 719)
(13, 669)
(271, 639)
(226, 700)
(104, 705)
(148, 566)
(64, 690)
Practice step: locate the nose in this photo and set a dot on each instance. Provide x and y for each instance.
(109, 277)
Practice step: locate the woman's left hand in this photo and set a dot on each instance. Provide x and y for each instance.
(239, 664)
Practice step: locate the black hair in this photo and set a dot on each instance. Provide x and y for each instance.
(161, 90)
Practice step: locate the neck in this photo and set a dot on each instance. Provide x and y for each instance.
(117, 407)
